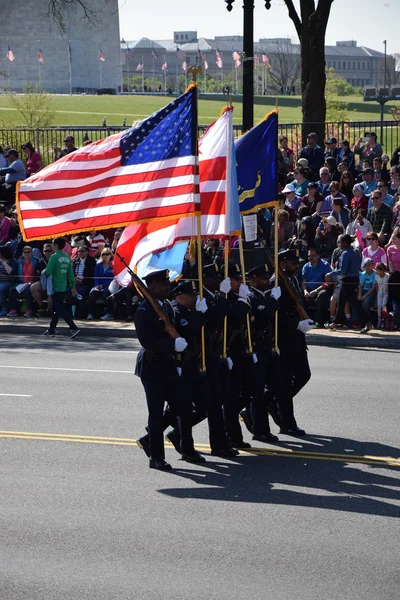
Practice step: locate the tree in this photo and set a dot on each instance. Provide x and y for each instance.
(310, 24)
(285, 65)
(58, 9)
(34, 105)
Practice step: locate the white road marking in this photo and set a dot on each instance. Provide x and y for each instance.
(65, 369)
(18, 395)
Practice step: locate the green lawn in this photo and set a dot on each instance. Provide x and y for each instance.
(90, 110)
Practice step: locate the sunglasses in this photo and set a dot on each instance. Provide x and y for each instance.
(380, 185)
(27, 252)
(106, 254)
(80, 251)
(45, 251)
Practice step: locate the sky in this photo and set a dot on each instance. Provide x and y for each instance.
(349, 20)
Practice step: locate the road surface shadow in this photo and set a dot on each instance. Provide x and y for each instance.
(324, 484)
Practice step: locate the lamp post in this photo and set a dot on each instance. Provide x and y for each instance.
(384, 75)
(248, 60)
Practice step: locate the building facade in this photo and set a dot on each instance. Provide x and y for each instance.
(359, 65)
(71, 59)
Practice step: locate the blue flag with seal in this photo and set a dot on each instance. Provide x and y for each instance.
(257, 165)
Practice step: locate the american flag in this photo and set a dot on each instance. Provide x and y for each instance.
(218, 57)
(202, 56)
(184, 65)
(181, 54)
(237, 64)
(147, 172)
(256, 60)
(154, 54)
(40, 57)
(236, 55)
(205, 65)
(265, 60)
(101, 56)
(219, 203)
(139, 67)
(10, 54)
(164, 66)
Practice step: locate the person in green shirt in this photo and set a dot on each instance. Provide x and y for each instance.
(60, 269)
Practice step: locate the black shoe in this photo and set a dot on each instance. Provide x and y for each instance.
(246, 419)
(224, 453)
(173, 438)
(193, 457)
(240, 445)
(160, 465)
(265, 438)
(74, 333)
(295, 431)
(144, 444)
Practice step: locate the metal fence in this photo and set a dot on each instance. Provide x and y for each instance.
(44, 140)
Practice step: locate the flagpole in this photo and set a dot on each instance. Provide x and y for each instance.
(70, 66)
(152, 83)
(276, 249)
(127, 64)
(226, 265)
(205, 77)
(165, 74)
(142, 75)
(101, 72)
(243, 269)
(194, 71)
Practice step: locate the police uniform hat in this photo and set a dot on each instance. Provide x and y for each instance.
(290, 255)
(184, 287)
(211, 271)
(234, 272)
(157, 276)
(260, 271)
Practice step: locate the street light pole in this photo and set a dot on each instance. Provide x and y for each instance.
(248, 59)
(384, 76)
(248, 64)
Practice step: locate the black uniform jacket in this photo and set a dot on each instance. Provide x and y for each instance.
(157, 357)
(289, 337)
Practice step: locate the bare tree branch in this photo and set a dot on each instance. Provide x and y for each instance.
(57, 11)
(294, 16)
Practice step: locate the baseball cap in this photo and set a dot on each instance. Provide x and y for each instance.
(288, 189)
(331, 141)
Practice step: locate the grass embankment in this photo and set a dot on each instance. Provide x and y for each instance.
(90, 110)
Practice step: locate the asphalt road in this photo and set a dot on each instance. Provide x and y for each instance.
(85, 518)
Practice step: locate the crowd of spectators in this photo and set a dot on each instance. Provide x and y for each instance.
(339, 207)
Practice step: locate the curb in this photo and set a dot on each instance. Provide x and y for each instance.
(320, 339)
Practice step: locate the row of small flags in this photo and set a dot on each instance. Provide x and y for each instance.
(181, 55)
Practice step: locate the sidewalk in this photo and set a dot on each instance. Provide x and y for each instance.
(347, 338)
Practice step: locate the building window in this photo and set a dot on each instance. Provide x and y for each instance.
(349, 65)
(363, 66)
(187, 37)
(354, 66)
(359, 66)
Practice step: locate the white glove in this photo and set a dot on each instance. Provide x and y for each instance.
(255, 359)
(179, 371)
(243, 291)
(276, 292)
(229, 362)
(201, 305)
(225, 286)
(305, 326)
(180, 344)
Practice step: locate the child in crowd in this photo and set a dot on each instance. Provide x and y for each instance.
(334, 278)
(382, 291)
(367, 292)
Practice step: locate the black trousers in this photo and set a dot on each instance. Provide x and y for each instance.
(294, 374)
(158, 393)
(218, 381)
(237, 395)
(348, 293)
(265, 383)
